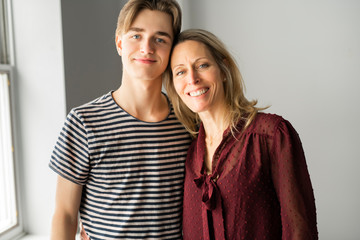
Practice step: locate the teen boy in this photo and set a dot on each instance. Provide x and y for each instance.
(120, 158)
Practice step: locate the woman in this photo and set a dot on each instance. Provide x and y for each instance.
(246, 175)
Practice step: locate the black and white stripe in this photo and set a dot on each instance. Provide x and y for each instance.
(132, 171)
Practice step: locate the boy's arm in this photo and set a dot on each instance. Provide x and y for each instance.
(67, 203)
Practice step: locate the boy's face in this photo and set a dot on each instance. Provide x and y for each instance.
(145, 48)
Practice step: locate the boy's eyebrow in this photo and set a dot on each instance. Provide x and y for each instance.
(165, 34)
(136, 29)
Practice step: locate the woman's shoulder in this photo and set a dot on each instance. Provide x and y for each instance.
(265, 123)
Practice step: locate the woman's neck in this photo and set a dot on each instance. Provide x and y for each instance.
(215, 122)
(215, 125)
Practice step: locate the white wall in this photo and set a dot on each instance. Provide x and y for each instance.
(41, 92)
(303, 58)
(89, 55)
(40, 104)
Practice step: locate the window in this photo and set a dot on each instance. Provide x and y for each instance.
(8, 211)
(9, 214)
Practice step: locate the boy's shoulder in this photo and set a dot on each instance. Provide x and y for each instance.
(103, 102)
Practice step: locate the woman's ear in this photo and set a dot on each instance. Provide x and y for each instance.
(118, 44)
(226, 62)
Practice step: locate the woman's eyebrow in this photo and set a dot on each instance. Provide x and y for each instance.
(196, 60)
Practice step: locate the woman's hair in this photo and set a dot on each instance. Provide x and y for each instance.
(131, 9)
(239, 108)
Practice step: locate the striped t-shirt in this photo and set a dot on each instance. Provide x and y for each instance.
(132, 171)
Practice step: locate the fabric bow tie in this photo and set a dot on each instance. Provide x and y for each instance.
(209, 188)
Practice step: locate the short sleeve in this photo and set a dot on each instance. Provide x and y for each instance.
(70, 157)
(293, 186)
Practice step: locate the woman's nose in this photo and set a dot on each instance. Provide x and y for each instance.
(193, 77)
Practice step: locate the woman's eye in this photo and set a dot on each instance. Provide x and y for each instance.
(136, 36)
(204, 65)
(179, 73)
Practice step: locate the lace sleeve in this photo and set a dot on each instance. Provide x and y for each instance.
(293, 186)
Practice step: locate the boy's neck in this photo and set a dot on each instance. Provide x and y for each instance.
(142, 99)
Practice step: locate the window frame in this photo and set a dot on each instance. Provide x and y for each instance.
(17, 230)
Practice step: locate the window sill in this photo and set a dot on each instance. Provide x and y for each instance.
(39, 237)
(33, 237)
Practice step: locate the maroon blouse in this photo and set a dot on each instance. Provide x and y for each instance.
(259, 187)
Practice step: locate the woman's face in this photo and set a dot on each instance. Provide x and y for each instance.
(197, 77)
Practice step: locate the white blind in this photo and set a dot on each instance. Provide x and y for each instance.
(8, 212)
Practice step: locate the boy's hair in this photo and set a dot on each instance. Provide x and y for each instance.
(131, 9)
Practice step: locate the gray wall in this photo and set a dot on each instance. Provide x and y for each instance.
(92, 65)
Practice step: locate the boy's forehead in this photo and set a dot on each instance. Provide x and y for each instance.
(152, 18)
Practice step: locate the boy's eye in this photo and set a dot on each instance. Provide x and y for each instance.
(136, 36)
(160, 40)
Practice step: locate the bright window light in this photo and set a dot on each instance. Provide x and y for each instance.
(8, 209)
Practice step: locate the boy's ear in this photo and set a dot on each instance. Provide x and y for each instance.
(118, 44)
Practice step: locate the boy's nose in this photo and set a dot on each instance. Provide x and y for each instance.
(147, 47)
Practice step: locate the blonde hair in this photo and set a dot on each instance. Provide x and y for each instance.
(130, 10)
(239, 108)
